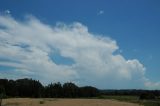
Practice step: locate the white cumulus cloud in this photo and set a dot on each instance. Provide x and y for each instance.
(28, 46)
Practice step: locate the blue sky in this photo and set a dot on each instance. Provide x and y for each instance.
(133, 25)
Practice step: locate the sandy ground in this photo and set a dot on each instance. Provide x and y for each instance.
(63, 102)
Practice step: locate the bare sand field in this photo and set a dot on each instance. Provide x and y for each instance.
(63, 102)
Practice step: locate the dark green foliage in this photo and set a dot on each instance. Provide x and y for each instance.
(2, 90)
(0, 101)
(32, 88)
(22, 88)
(147, 96)
(3, 85)
(127, 92)
(11, 88)
(41, 102)
(2, 93)
(54, 90)
(89, 91)
(29, 88)
(151, 103)
(70, 90)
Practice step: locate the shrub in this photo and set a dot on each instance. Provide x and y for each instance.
(147, 96)
(41, 102)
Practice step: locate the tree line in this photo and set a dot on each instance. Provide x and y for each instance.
(142, 94)
(133, 92)
(33, 88)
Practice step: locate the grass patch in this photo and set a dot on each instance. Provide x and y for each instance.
(132, 99)
(50, 99)
(41, 102)
(11, 104)
(151, 103)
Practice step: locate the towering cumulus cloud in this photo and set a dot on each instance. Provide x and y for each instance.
(63, 53)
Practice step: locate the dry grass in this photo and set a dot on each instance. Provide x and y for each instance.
(63, 102)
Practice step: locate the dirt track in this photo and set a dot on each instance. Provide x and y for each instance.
(63, 102)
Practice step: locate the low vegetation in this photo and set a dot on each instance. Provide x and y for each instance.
(133, 99)
(41, 102)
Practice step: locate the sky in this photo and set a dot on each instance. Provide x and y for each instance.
(109, 44)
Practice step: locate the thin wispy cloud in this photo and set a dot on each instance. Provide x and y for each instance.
(7, 11)
(33, 44)
(100, 12)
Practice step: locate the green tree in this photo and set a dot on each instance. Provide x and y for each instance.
(2, 93)
(70, 90)
(54, 90)
(89, 91)
(29, 88)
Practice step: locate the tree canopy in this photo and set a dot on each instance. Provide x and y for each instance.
(33, 88)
